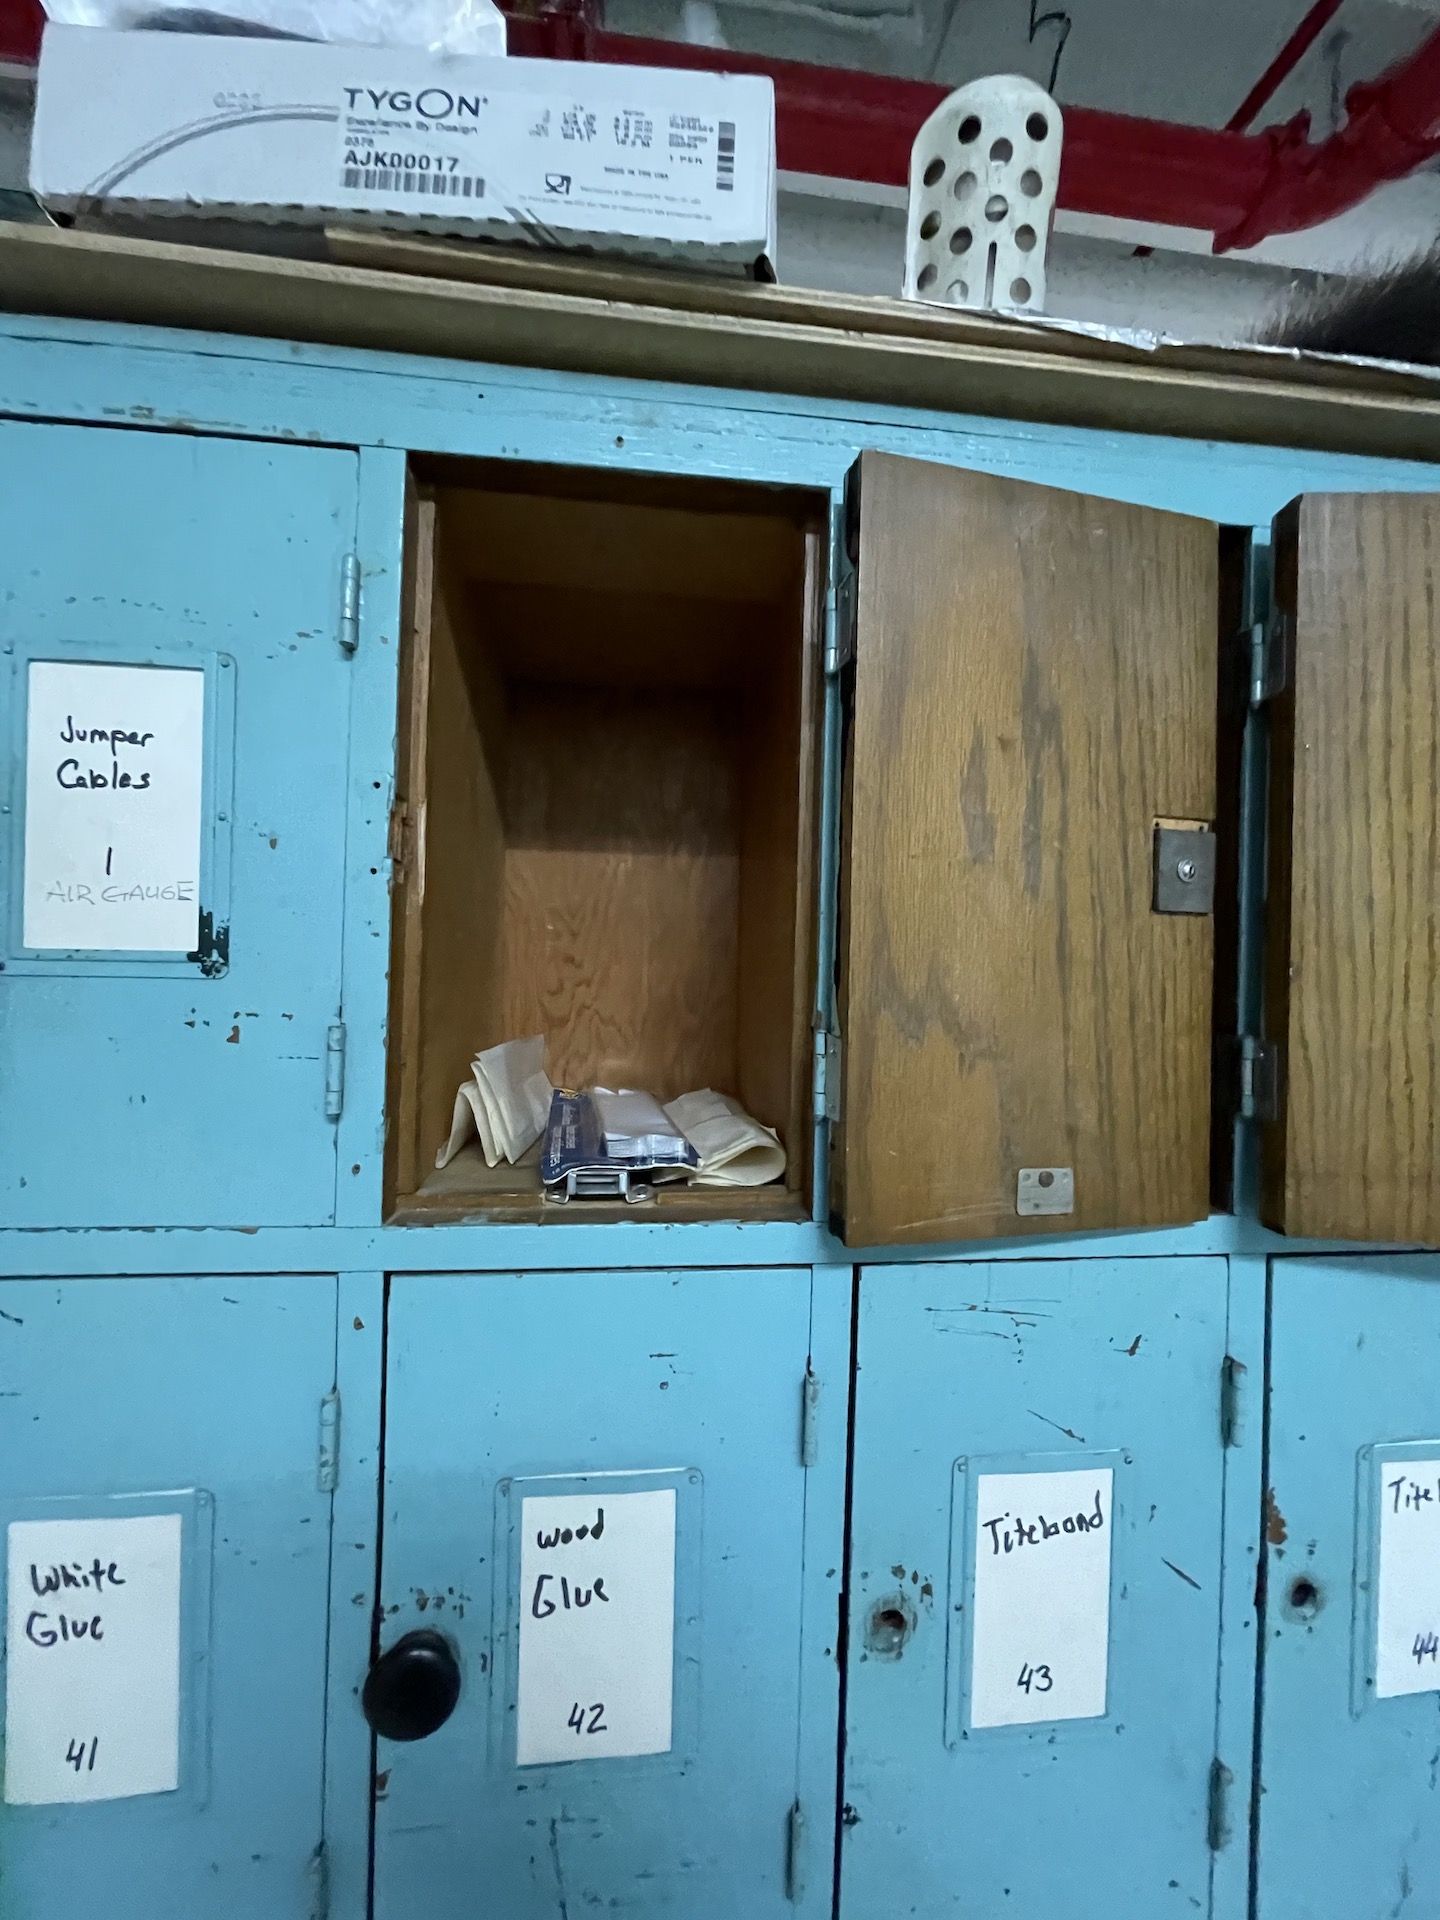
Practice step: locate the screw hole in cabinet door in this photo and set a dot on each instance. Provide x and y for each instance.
(1303, 1598)
(891, 1623)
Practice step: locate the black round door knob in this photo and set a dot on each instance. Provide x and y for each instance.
(412, 1688)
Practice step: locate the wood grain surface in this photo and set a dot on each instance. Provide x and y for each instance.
(517, 307)
(404, 1147)
(621, 898)
(1034, 687)
(611, 785)
(1352, 976)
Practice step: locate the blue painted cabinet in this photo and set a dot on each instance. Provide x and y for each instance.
(1035, 1602)
(171, 619)
(1350, 1682)
(628, 1733)
(167, 1541)
(585, 1572)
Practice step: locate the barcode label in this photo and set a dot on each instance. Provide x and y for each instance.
(725, 158)
(386, 180)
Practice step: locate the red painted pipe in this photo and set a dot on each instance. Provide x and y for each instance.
(1392, 126)
(1284, 63)
(1241, 187)
(20, 25)
(849, 125)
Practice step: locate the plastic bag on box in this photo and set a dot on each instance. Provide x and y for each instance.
(438, 26)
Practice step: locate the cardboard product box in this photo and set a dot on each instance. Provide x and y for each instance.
(663, 165)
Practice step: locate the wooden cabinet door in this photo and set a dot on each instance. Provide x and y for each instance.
(1034, 691)
(1352, 976)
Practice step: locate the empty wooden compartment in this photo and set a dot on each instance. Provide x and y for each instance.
(605, 807)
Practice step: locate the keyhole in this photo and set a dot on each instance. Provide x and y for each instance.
(1303, 1598)
(890, 1626)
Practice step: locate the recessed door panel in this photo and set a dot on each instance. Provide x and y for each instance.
(1350, 1694)
(164, 1596)
(1035, 1589)
(174, 702)
(588, 1683)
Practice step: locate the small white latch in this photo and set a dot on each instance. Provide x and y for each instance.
(1045, 1190)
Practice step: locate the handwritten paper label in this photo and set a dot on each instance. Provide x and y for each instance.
(597, 1626)
(1041, 1630)
(92, 1659)
(114, 759)
(1407, 1608)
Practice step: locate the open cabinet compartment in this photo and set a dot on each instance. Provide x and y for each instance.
(605, 811)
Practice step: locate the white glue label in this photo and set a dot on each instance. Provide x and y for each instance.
(597, 1626)
(114, 761)
(1041, 1628)
(92, 1659)
(1407, 1651)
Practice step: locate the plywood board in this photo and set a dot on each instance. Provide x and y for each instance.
(1034, 687)
(529, 311)
(407, 874)
(622, 886)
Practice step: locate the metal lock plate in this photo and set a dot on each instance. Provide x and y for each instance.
(1184, 869)
(1045, 1190)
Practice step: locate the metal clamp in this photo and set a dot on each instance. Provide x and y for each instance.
(1184, 869)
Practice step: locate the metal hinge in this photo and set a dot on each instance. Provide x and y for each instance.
(1267, 654)
(397, 843)
(840, 642)
(795, 1854)
(350, 603)
(809, 1411)
(1259, 1079)
(1218, 1813)
(335, 1071)
(320, 1883)
(1230, 1372)
(825, 1087)
(327, 1463)
(840, 598)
